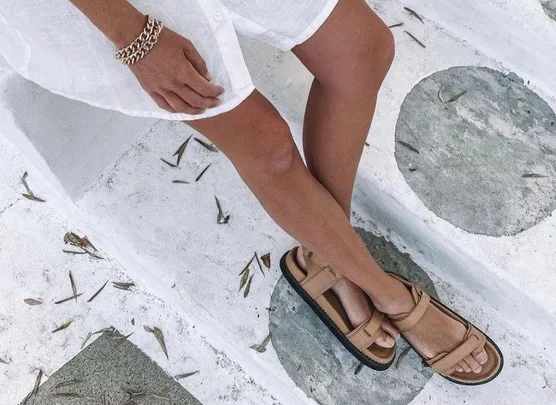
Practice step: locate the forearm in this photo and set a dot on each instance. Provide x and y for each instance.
(117, 19)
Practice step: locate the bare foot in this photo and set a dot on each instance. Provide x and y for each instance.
(356, 304)
(435, 333)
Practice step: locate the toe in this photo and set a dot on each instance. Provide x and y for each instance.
(389, 328)
(481, 356)
(459, 369)
(385, 340)
(474, 364)
(466, 367)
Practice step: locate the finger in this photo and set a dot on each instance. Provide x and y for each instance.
(200, 84)
(195, 99)
(179, 105)
(390, 329)
(162, 103)
(481, 356)
(474, 364)
(385, 340)
(197, 60)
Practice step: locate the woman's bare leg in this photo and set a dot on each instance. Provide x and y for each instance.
(259, 143)
(349, 56)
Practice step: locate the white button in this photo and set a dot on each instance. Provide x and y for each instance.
(217, 17)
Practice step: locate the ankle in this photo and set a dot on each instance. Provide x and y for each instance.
(394, 298)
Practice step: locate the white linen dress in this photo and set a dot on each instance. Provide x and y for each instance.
(53, 44)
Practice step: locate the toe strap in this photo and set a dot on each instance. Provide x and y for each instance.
(446, 363)
(366, 334)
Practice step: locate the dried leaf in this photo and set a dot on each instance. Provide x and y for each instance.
(248, 288)
(69, 299)
(37, 383)
(98, 292)
(4, 361)
(408, 146)
(122, 339)
(123, 286)
(396, 25)
(160, 337)
(33, 198)
(266, 260)
(148, 329)
(210, 147)
(73, 252)
(440, 94)
(244, 280)
(262, 347)
(247, 266)
(532, 176)
(133, 321)
(413, 13)
(225, 220)
(180, 182)
(220, 213)
(415, 39)
(181, 150)
(67, 383)
(457, 97)
(401, 357)
(110, 329)
(32, 301)
(86, 340)
(73, 287)
(201, 174)
(259, 263)
(358, 369)
(63, 326)
(185, 375)
(24, 182)
(168, 163)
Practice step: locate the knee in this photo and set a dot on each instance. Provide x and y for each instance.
(276, 153)
(364, 67)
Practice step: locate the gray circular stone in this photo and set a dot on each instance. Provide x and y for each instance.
(486, 162)
(549, 8)
(322, 367)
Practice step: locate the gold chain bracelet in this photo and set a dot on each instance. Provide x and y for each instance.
(142, 44)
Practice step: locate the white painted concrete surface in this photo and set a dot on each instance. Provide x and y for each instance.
(160, 234)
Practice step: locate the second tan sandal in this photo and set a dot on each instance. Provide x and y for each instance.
(446, 364)
(314, 286)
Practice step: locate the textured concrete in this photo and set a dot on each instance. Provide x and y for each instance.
(550, 8)
(467, 158)
(110, 369)
(322, 367)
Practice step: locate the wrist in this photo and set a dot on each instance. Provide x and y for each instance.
(127, 30)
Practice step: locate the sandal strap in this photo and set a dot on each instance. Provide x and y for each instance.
(366, 334)
(446, 363)
(406, 322)
(322, 276)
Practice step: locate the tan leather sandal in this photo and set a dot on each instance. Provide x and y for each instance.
(314, 286)
(446, 364)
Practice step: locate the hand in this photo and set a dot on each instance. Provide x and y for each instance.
(176, 76)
